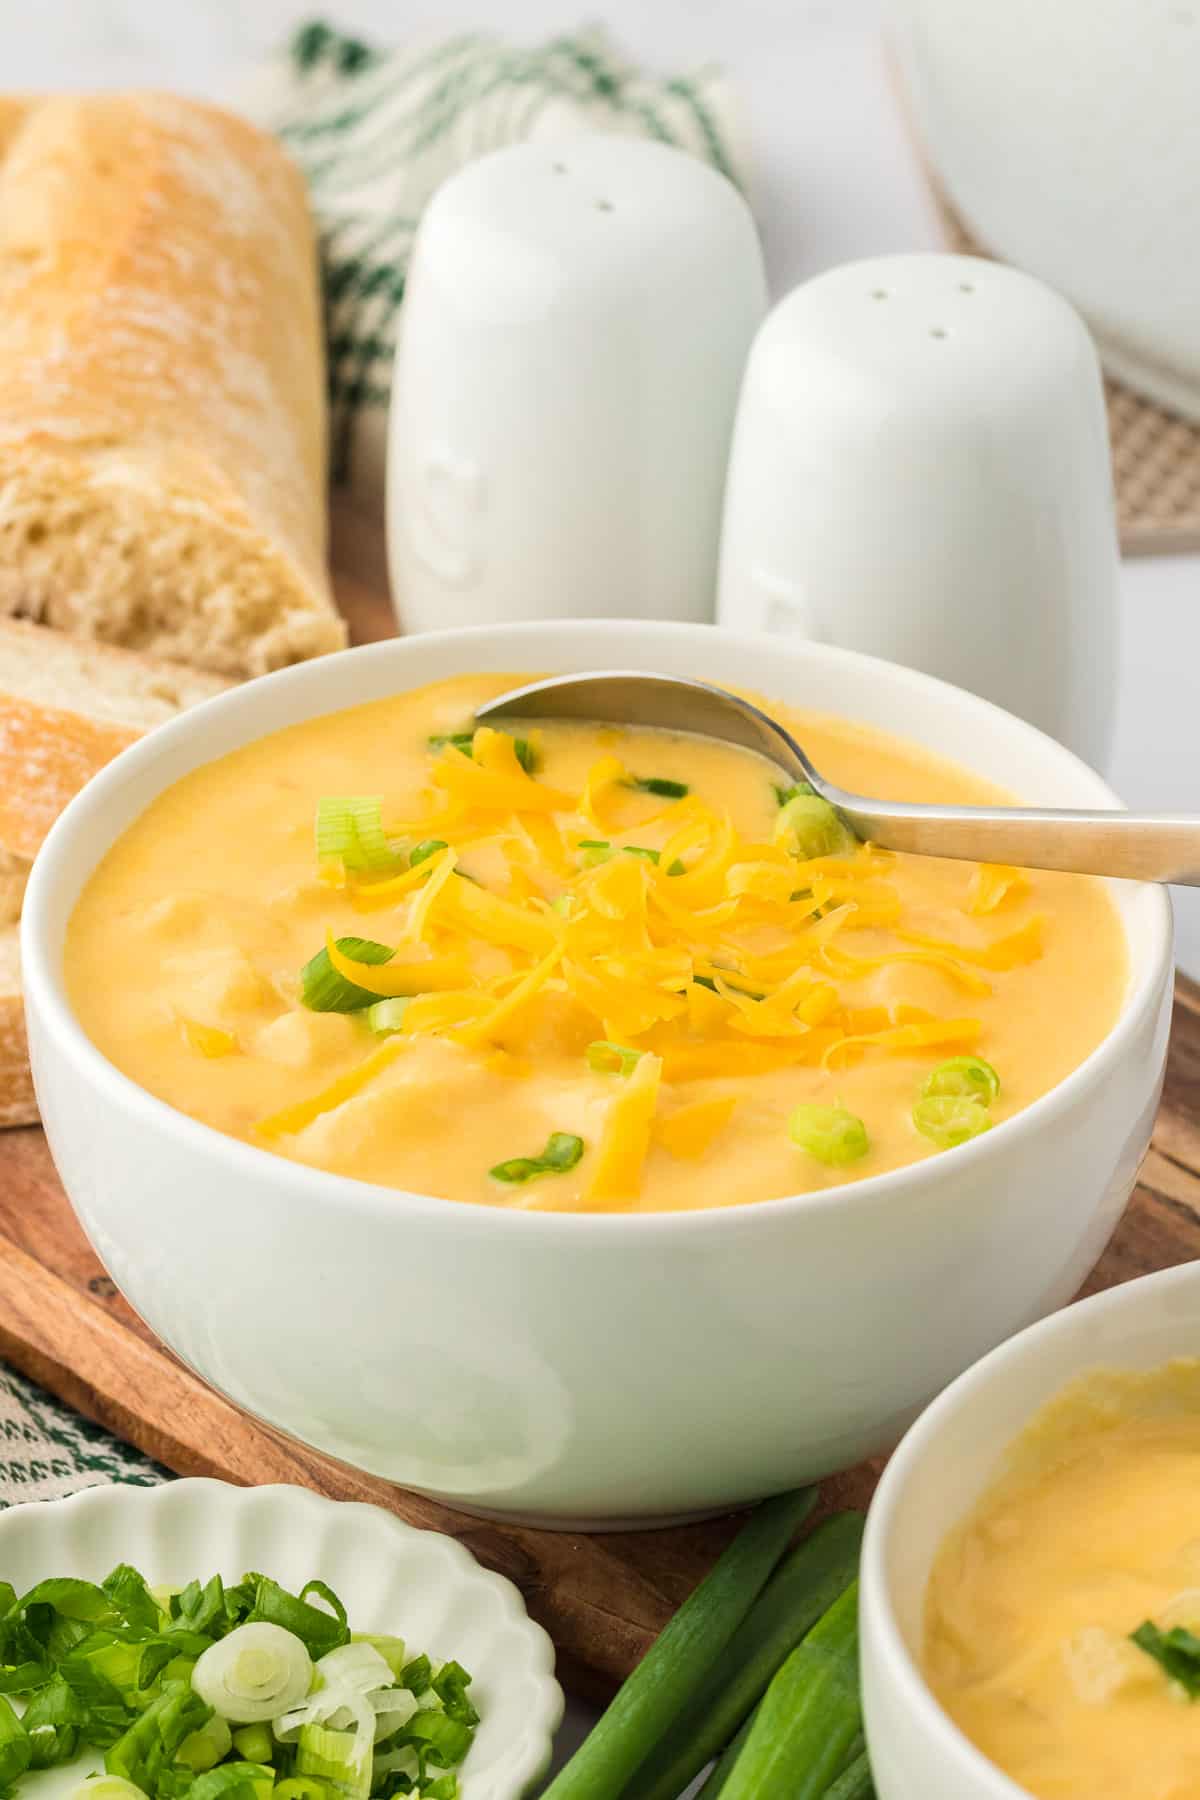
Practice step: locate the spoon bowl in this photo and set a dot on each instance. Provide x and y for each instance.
(1136, 846)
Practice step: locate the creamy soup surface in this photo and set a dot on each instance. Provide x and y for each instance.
(743, 961)
(1090, 1533)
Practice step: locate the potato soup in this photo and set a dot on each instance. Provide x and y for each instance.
(586, 969)
(1062, 1629)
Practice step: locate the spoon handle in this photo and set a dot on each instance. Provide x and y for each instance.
(1136, 846)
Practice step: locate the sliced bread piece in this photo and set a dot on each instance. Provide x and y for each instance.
(14, 873)
(66, 708)
(162, 409)
(17, 1104)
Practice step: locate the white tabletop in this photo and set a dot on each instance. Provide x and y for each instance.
(836, 179)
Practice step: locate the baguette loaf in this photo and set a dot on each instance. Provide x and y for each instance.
(162, 419)
(17, 1104)
(66, 708)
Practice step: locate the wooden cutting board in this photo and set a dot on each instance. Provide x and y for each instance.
(603, 1598)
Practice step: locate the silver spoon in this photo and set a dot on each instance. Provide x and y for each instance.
(1141, 847)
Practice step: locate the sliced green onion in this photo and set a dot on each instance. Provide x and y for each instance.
(595, 850)
(801, 1591)
(612, 1059)
(53, 1721)
(322, 989)
(813, 827)
(319, 1631)
(450, 1684)
(16, 1751)
(641, 850)
(676, 1665)
(657, 784)
(1177, 1652)
(203, 1749)
(417, 1675)
(830, 1133)
(350, 826)
(562, 906)
(257, 1672)
(254, 1743)
(424, 850)
(810, 1717)
(784, 794)
(151, 1741)
(384, 1017)
(948, 1120)
(341, 1757)
(965, 1078)
(302, 1787)
(132, 1598)
(234, 1781)
(107, 1787)
(563, 1150)
(391, 1649)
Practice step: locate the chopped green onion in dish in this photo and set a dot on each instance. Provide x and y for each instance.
(963, 1077)
(257, 1672)
(350, 828)
(829, 1133)
(322, 989)
(1176, 1651)
(563, 1150)
(948, 1120)
(107, 1787)
(612, 1059)
(208, 1746)
(658, 784)
(387, 1015)
(249, 1692)
(808, 826)
(424, 850)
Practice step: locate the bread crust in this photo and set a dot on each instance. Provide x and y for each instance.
(162, 417)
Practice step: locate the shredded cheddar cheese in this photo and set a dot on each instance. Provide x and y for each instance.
(715, 955)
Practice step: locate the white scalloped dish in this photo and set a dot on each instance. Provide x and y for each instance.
(392, 1578)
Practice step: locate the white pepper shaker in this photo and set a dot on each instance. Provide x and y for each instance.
(920, 470)
(574, 334)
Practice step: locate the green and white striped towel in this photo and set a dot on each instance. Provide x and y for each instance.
(46, 1450)
(376, 131)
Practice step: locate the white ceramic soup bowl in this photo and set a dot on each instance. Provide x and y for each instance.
(589, 1369)
(943, 1465)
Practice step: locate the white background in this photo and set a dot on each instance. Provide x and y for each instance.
(835, 179)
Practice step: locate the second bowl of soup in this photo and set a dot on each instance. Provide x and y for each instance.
(575, 1082)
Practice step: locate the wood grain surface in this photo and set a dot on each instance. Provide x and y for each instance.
(603, 1598)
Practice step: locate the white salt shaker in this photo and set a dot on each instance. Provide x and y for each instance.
(920, 470)
(574, 333)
